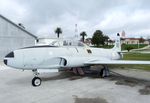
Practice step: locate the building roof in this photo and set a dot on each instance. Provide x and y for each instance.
(18, 26)
(132, 38)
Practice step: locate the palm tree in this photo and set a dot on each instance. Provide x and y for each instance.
(58, 31)
(83, 34)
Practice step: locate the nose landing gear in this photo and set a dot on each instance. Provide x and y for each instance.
(36, 81)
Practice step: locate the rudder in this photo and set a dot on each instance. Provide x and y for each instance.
(117, 46)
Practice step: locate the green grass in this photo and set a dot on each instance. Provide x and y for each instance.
(134, 56)
(134, 46)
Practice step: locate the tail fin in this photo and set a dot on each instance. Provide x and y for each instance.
(117, 46)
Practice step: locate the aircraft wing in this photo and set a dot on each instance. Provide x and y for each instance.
(116, 62)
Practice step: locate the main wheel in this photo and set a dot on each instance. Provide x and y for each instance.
(36, 81)
(102, 75)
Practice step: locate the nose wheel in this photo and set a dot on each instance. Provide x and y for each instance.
(36, 81)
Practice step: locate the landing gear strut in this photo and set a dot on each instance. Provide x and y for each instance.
(104, 72)
(36, 81)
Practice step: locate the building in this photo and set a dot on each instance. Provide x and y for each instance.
(134, 41)
(13, 36)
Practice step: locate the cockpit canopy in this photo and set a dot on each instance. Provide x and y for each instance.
(67, 43)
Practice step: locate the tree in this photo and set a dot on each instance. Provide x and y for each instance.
(106, 38)
(58, 31)
(141, 40)
(98, 38)
(83, 34)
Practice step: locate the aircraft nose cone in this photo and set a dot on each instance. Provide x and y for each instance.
(8, 56)
(5, 61)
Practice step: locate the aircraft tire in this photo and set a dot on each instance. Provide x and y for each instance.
(36, 81)
(102, 73)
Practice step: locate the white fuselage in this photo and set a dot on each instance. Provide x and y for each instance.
(50, 57)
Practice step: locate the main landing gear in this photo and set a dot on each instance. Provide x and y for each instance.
(104, 71)
(100, 72)
(36, 81)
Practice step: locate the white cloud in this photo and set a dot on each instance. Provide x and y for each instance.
(114, 20)
(42, 17)
(13, 10)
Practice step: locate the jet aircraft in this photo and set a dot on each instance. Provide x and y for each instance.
(69, 55)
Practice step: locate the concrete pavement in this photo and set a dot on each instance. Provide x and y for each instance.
(15, 87)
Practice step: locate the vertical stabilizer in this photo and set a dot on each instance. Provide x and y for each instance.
(117, 46)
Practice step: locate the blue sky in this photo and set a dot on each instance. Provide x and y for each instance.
(42, 17)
